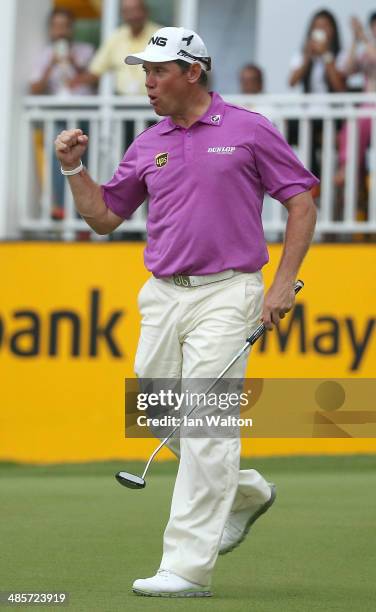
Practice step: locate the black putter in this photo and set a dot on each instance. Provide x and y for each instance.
(138, 482)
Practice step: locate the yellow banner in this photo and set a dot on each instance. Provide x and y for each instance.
(68, 333)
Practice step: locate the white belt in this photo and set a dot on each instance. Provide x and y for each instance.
(183, 280)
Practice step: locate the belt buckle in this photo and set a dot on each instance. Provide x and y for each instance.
(181, 280)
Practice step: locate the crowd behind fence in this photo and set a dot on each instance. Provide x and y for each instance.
(344, 211)
(75, 85)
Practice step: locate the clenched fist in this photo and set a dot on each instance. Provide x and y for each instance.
(70, 145)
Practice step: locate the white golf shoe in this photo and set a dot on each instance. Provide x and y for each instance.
(168, 584)
(239, 523)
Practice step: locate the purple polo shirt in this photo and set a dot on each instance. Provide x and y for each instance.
(206, 186)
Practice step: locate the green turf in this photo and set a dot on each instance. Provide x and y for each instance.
(73, 528)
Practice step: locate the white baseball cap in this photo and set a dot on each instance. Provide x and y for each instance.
(169, 44)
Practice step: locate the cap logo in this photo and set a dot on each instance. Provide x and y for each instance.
(158, 40)
(184, 53)
(188, 39)
(215, 118)
(161, 159)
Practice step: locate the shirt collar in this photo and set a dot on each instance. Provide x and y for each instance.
(215, 112)
(213, 116)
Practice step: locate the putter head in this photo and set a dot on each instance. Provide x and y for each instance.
(130, 480)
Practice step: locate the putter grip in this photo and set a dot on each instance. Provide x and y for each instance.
(260, 330)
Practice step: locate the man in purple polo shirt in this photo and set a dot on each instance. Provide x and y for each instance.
(205, 169)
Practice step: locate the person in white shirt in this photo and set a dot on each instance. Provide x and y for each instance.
(61, 69)
(318, 68)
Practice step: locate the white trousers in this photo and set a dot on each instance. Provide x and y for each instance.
(194, 333)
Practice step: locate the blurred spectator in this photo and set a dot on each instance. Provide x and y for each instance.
(362, 54)
(131, 37)
(320, 65)
(251, 79)
(61, 67)
(361, 58)
(319, 68)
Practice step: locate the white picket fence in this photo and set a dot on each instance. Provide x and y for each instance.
(111, 123)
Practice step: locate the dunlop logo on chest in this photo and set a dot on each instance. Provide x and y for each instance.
(161, 159)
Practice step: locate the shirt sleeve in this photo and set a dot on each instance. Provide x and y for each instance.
(124, 193)
(281, 172)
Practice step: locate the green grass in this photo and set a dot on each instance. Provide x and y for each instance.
(73, 528)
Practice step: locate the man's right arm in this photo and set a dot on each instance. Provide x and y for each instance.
(70, 146)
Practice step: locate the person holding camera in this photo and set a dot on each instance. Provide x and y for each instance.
(319, 68)
(60, 70)
(61, 67)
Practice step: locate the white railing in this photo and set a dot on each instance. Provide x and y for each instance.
(112, 123)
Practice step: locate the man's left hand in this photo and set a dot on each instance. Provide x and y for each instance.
(278, 301)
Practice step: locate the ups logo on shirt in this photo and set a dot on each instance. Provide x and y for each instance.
(161, 159)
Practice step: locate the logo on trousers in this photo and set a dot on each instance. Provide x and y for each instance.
(161, 159)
